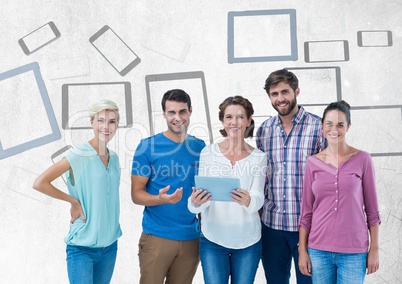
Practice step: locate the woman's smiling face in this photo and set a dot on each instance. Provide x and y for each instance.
(235, 121)
(105, 124)
(335, 126)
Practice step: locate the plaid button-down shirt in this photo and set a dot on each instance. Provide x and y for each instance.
(287, 157)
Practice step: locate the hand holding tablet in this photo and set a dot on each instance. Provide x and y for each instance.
(218, 187)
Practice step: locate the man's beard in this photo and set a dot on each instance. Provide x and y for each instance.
(285, 112)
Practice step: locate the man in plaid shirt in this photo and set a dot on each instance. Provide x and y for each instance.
(288, 139)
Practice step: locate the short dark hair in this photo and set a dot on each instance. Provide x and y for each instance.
(281, 75)
(176, 95)
(248, 107)
(340, 106)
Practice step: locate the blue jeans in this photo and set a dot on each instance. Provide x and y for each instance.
(337, 268)
(278, 248)
(218, 263)
(87, 265)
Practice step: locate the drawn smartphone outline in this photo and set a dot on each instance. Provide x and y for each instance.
(24, 45)
(57, 154)
(360, 38)
(128, 66)
(307, 51)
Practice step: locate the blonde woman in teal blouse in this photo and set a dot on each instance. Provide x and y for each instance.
(93, 178)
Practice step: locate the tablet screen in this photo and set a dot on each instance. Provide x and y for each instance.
(219, 187)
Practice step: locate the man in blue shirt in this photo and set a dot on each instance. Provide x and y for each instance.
(162, 178)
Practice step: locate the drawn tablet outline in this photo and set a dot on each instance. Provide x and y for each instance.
(65, 106)
(172, 77)
(293, 35)
(338, 80)
(29, 193)
(55, 132)
(379, 154)
(185, 46)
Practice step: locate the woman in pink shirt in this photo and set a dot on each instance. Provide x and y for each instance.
(339, 219)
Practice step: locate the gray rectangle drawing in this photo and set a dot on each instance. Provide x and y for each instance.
(377, 129)
(315, 109)
(326, 51)
(39, 38)
(67, 68)
(361, 85)
(78, 97)
(245, 46)
(21, 180)
(193, 83)
(252, 89)
(59, 155)
(374, 38)
(318, 85)
(165, 45)
(23, 90)
(114, 50)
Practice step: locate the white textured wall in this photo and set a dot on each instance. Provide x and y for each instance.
(33, 227)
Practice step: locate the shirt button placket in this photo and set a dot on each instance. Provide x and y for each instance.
(336, 192)
(108, 183)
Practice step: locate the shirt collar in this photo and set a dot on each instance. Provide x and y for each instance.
(296, 118)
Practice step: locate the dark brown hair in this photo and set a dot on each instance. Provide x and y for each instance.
(281, 75)
(340, 106)
(176, 95)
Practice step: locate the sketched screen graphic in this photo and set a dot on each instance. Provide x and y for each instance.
(67, 68)
(165, 45)
(318, 85)
(20, 181)
(59, 155)
(377, 129)
(193, 83)
(374, 38)
(30, 120)
(114, 50)
(78, 97)
(245, 46)
(326, 51)
(39, 38)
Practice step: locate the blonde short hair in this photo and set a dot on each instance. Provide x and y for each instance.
(103, 105)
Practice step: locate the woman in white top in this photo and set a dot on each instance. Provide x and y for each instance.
(230, 244)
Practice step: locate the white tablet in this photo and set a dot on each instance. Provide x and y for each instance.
(219, 187)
